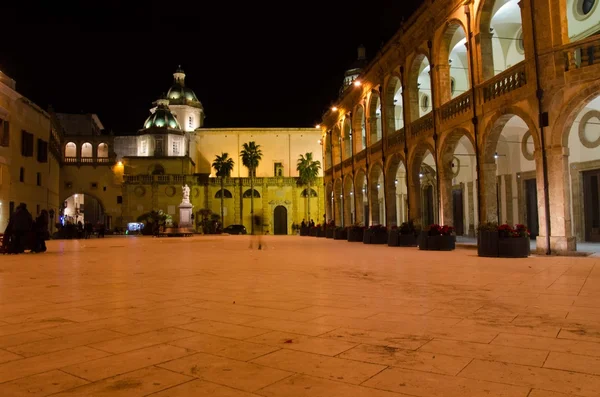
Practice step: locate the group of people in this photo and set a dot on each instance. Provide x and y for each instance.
(307, 224)
(25, 233)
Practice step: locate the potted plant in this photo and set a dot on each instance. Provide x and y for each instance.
(375, 234)
(340, 233)
(355, 233)
(503, 241)
(437, 238)
(403, 236)
(330, 230)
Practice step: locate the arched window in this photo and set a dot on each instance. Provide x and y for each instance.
(157, 169)
(226, 194)
(103, 150)
(248, 194)
(313, 193)
(86, 150)
(70, 150)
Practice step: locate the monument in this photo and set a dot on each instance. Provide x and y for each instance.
(185, 210)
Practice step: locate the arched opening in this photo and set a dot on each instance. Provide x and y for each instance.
(280, 220)
(329, 201)
(359, 127)
(453, 63)
(428, 190)
(156, 169)
(458, 183)
(86, 150)
(584, 165)
(376, 193)
(248, 193)
(102, 150)
(225, 193)
(337, 145)
(328, 152)
(509, 172)
(347, 139)
(362, 198)
(420, 88)
(85, 209)
(397, 194)
(375, 119)
(71, 149)
(394, 105)
(501, 38)
(349, 210)
(337, 202)
(583, 17)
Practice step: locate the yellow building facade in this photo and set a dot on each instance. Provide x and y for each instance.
(476, 111)
(123, 177)
(30, 155)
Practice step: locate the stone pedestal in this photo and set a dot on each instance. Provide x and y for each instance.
(185, 215)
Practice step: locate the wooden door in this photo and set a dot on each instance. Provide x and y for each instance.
(280, 220)
(591, 205)
(458, 211)
(531, 207)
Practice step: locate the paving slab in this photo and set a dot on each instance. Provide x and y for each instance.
(306, 317)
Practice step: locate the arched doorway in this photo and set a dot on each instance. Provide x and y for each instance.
(280, 220)
(84, 208)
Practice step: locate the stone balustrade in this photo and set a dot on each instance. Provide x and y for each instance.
(421, 125)
(456, 106)
(507, 81)
(397, 139)
(361, 155)
(582, 54)
(376, 147)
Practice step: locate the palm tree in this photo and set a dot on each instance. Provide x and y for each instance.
(308, 170)
(251, 156)
(223, 164)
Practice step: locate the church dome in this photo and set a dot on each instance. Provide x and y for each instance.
(162, 117)
(179, 94)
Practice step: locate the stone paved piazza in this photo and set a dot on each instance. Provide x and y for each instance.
(306, 317)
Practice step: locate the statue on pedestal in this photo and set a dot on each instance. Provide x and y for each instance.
(186, 194)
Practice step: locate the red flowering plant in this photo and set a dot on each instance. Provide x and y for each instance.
(505, 230)
(521, 231)
(356, 227)
(438, 230)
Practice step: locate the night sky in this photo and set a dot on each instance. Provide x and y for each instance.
(250, 65)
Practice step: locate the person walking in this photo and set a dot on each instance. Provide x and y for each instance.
(258, 230)
(41, 232)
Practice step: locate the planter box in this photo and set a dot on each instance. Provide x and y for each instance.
(375, 238)
(396, 239)
(320, 232)
(355, 236)
(490, 244)
(313, 232)
(304, 231)
(340, 234)
(436, 243)
(329, 232)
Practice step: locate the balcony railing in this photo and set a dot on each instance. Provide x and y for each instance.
(88, 160)
(421, 125)
(458, 105)
(507, 81)
(329, 172)
(582, 54)
(70, 160)
(376, 147)
(397, 139)
(347, 162)
(338, 167)
(361, 155)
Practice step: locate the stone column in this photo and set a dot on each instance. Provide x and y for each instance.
(508, 185)
(390, 201)
(561, 235)
(374, 203)
(487, 54)
(414, 194)
(501, 215)
(447, 216)
(489, 203)
(471, 206)
(444, 83)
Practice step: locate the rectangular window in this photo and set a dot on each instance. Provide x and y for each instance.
(175, 148)
(11, 208)
(4, 133)
(26, 144)
(191, 121)
(22, 174)
(39, 179)
(119, 199)
(94, 185)
(42, 154)
(37, 209)
(144, 147)
(278, 169)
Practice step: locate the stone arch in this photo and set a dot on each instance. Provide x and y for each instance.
(329, 196)
(496, 124)
(225, 192)
(70, 149)
(452, 62)
(156, 169)
(249, 193)
(337, 201)
(87, 150)
(94, 214)
(569, 111)
(396, 190)
(415, 161)
(374, 118)
(103, 150)
(328, 151)
(336, 137)
(359, 128)
(376, 190)
(362, 198)
(347, 138)
(418, 86)
(348, 192)
(394, 117)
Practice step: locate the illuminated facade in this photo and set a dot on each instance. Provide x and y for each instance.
(446, 124)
